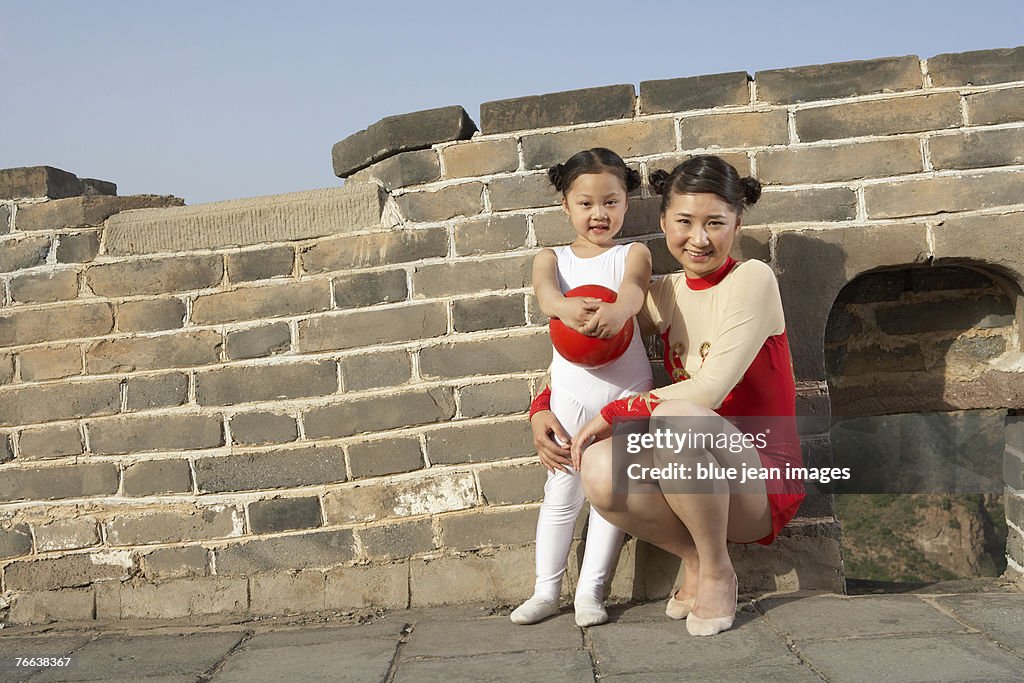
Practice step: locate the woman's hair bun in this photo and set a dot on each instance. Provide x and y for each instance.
(556, 174)
(632, 179)
(751, 190)
(658, 179)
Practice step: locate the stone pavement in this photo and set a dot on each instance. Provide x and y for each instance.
(940, 634)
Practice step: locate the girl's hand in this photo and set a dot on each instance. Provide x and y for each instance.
(596, 429)
(607, 321)
(576, 311)
(547, 432)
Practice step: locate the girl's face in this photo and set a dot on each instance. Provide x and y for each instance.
(596, 206)
(699, 231)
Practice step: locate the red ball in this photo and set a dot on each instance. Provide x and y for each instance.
(580, 349)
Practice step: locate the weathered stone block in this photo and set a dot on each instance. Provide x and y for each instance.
(157, 391)
(55, 324)
(979, 67)
(246, 222)
(739, 160)
(983, 312)
(369, 251)
(465, 199)
(150, 316)
(558, 109)
(367, 289)
(976, 149)
(1013, 468)
(66, 572)
(440, 493)
(67, 534)
(37, 288)
(994, 239)
(633, 139)
(513, 485)
(187, 597)
(460, 443)
(184, 349)
(480, 157)
(26, 252)
(287, 593)
(309, 466)
(945, 193)
(50, 363)
(155, 276)
(499, 526)
(372, 328)
(504, 575)
(522, 192)
(376, 585)
(173, 525)
(376, 369)
(504, 397)
(85, 211)
(6, 368)
(15, 541)
(407, 168)
(38, 181)
(800, 206)
(379, 413)
(283, 514)
(491, 234)
(751, 129)
(5, 219)
(39, 607)
(250, 429)
(94, 186)
(51, 441)
(70, 481)
(875, 158)
(6, 454)
(259, 342)
(394, 134)
(301, 551)
(487, 357)
(395, 541)
(153, 477)
(270, 301)
(176, 563)
(243, 384)
(78, 248)
(488, 313)
(997, 106)
(142, 433)
(261, 264)
(390, 456)
(1013, 433)
(882, 117)
(695, 92)
(840, 79)
(52, 402)
(472, 277)
(552, 228)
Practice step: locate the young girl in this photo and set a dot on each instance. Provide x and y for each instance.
(594, 186)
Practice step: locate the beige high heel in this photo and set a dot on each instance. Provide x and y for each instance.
(678, 609)
(699, 626)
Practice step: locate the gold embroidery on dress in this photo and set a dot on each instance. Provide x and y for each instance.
(704, 348)
(678, 362)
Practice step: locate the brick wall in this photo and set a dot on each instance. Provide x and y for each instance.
(316, 400)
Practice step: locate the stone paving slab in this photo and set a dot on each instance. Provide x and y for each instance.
(555, 666)
(789, 673)
(491, 635)
(33, 646)
(925, 658)
(1001, 616)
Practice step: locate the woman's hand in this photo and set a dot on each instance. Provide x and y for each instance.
(606, 322)
(576, 311)
(596, 429)
(547, 432)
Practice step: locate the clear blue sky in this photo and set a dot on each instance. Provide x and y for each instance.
(217, 100)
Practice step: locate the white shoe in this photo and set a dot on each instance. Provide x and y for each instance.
(533, 610)
(699, 626)
(590, 613)
(678, 609)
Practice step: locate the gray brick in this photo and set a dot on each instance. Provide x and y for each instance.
(89, 210)
(504, 397)
(367, 289)
(472, 277)
(963, 314)
(408, 168)
(78, 248)
(309, 466)
(284, 514)
(184, 349)
(153, 477)
(882, 117)
(1015, 545)
(465, 199)
(67, 534)
(6, 454)
(153, 315)
(490, 234)
(62, 401)
(459, 443)
(142, 433)
(287, 592)
(5, 219)
(185, 523)
(38, 181)
(46, 287)
(269, 301)
(369, 251)
(157, 391)
(390, 456)
(997, 106)
(513, 485)
(424, 496)
(394, 541)
(977, 149)
(176, 563)
(61, 572)
(501, 526)
(799, 206)
(696, 92)
(876, 158)
(51, 441)
(259, 342)
(55, 324)
(155, 275)
(394, 134)
(26, 252)
(487, 357)
(552, 228)
(1013, 468)
(375, 370)
(840, 79)
(742, 129)
(374, 585)
(251, 429)
(523, 192)
(242, 384)
(558, 109)
(50, 363)
(945, 193)
(488, 313)
(372, 328)
(1014, 432)
(633, 139)
(738, 160)
(300, 551)
(15, 541)
(6, 368)
(66, 481)
(980, 67)
(379, 413)
(480, 157)
(261, 264)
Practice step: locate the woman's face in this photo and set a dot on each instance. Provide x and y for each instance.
(699, 230)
